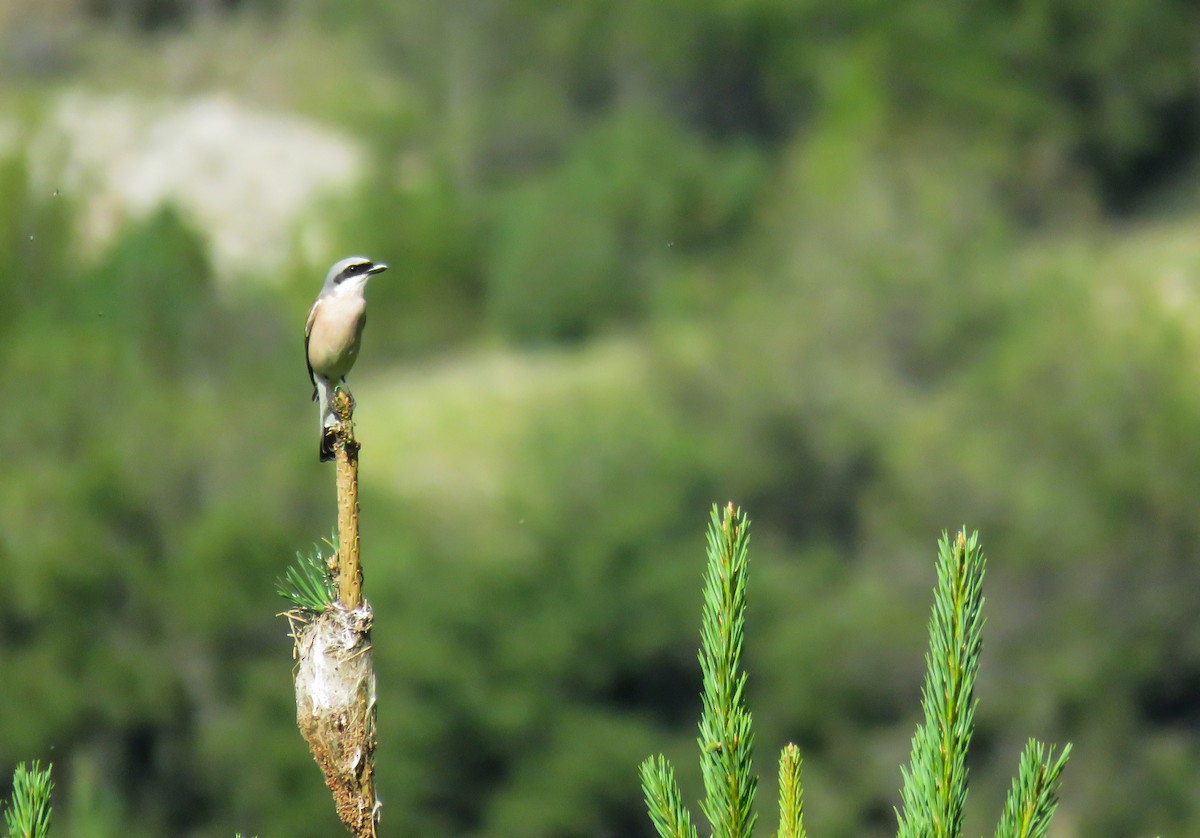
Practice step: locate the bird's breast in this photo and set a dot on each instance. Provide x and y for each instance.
(334, 338)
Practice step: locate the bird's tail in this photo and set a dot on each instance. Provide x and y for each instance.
(328, 420)
(327, 437)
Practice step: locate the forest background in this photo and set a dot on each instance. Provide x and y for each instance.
(869, 269)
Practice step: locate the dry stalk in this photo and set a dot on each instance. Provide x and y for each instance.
(335, 677)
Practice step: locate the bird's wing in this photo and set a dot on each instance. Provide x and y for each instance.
(308, 331)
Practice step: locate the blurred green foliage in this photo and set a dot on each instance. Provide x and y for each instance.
(580, 248)
(865, 269)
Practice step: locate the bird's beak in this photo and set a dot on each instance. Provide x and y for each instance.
(377, 268)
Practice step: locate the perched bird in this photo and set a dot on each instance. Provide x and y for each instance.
(333, 334)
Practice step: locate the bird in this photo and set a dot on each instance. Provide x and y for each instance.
(333, 335)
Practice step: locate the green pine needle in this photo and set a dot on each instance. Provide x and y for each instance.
(935, 783)
(28, 814)
(1034, 793)
(725, 731)
(791, 794)
(667, 812)
(308, 584)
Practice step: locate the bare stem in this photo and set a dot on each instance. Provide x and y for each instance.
(349, 574)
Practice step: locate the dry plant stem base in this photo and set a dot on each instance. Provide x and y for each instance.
(335, 679)
(335, 710)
